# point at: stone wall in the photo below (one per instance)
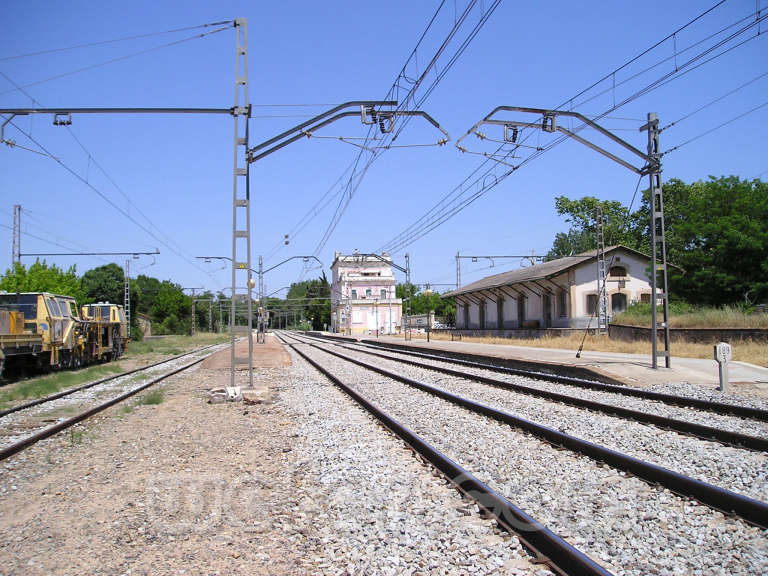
(701, 335)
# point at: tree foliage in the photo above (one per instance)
(716, 237)
(104, 284)
(423, 303)
(40, 277)
(311, 299)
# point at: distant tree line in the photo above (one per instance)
(716, 237)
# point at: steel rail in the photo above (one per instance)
(704, 405)
(69, 391)
(749, 509)
(63, 425)
(735, 439)
(547, 545)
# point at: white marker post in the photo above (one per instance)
(723, 356)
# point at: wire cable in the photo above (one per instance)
(443, 211)
(718, 99)
(114, 40)
(117, 59)
(740, 116)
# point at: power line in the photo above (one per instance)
(718, 99)
(117, 59)
(95, 162)
(114, 40)
(409, 99)
(108, 200)
(750, 111)
(443, 210)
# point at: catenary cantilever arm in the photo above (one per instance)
(300, 127)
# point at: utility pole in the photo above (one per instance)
(458, 271)
(658, 241)
(16, 250)
(127, 298)
(261, 332)
(651, 167)
(602, 295)
(241, 197)
(194, 319)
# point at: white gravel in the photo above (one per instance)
(635, 527)
(742, 471)
(724, 422)
(383, 512)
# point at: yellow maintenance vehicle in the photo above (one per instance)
(44, 331)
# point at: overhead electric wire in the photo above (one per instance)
(710, 103)
(117, 59)
(697, 137)
(107, 199)
(350, 191)
(441, 213)
(114, 40)
(93, 160)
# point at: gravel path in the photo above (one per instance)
(306, 484)
(742, 471)
(724, 422)
(635, 527)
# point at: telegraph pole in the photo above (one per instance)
(602, 295)
(658, 241)
(16, 251)
(194, 320)
(127, 298)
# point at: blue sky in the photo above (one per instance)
(176, 170)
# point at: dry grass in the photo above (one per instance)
(745, 351)
(683, 316)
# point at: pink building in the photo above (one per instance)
(363, 295)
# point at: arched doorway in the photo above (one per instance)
(618, 303)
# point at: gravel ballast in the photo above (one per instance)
(742, 471)
(632, 526)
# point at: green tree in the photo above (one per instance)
(316, 305)
(40, 277)
(171, 309)
(104, 284)
(716, 237)
(581, 215)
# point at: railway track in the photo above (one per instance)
(547, 546)
(478, 373)
(749, 509)
(23, 425)
(503, 365)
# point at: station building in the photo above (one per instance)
(560, 293)
(363, 295)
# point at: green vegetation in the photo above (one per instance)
(152, 399)
(422, 303)
(716, 236)
(173, 345)
(683, 315)
(52, 383)
(40, 277)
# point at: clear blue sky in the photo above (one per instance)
(177, 169)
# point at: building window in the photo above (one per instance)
(383, 294)
(354, 294)
(592, 304)
(367, 292)
(645, 298)
(562, 304)
(617, 271)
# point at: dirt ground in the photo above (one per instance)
(157, 489)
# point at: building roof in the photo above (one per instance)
(537, 272)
